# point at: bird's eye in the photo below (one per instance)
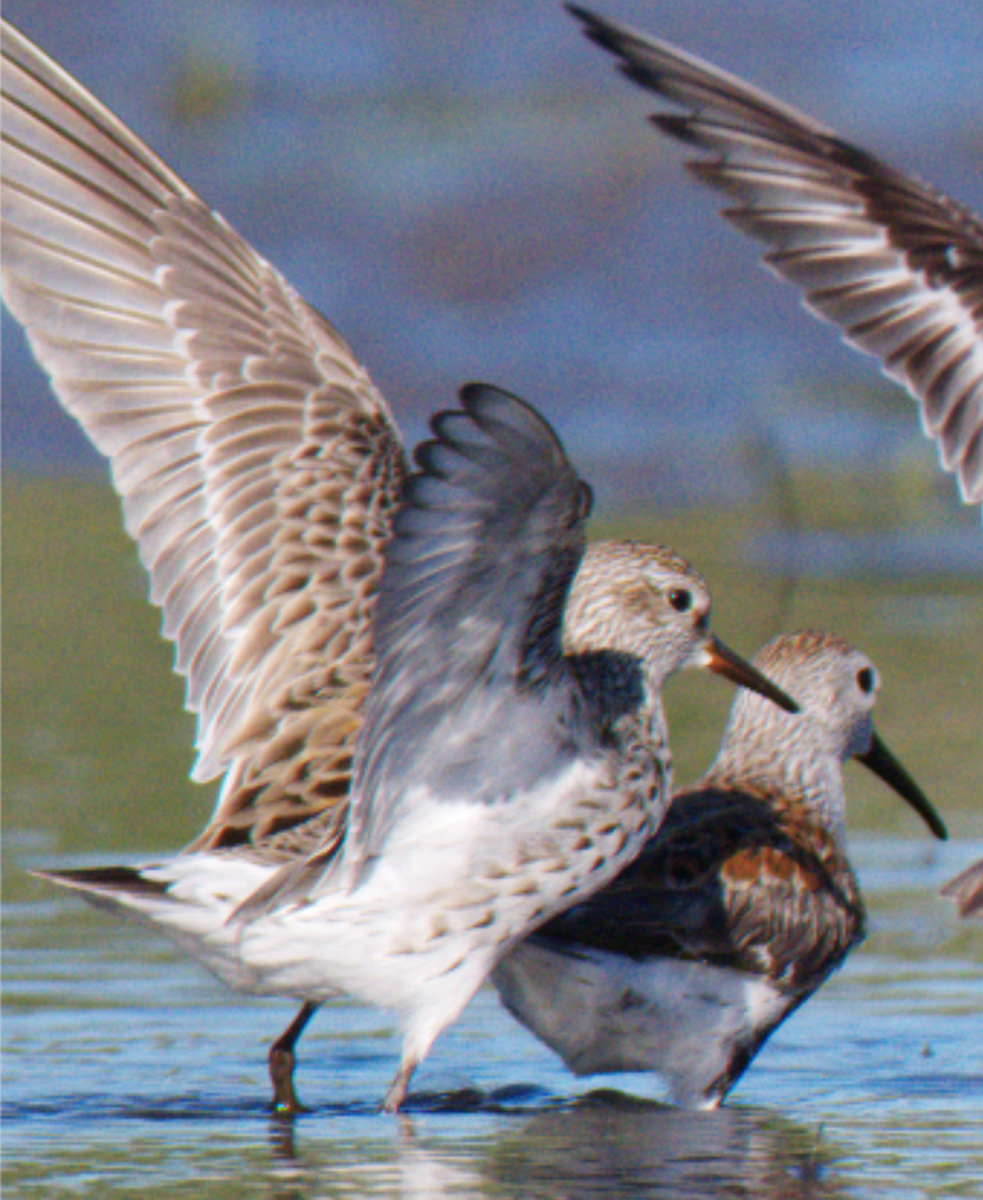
(681, 599)
(865, 680)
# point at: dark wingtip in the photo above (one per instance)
(595, 27)
(674, 125)
(493, 409)
(584, 15)
(620, 41)
(104, 879)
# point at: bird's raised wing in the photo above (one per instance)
(894, 263)
(469, 620)
(470, 698)
(257, 463)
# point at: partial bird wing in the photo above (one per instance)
(894, 263)
(967, 890)
(257, 463)
(731, 880)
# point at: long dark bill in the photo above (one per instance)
(885, 766)
(725, 662)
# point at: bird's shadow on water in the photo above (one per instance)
(604, 1143)
(514, 1141)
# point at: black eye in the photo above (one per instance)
(865, 680)
(681, 599)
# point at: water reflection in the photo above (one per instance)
(646, 1149)
(606, 1144)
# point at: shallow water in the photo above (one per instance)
(128, 1072)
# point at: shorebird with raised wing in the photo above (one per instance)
(737, 910)
(512, 755)
(897, 265)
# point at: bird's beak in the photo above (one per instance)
(725, 662)
(885, 766)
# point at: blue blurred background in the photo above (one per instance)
(467, 190)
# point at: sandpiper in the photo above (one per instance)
(893, 262)
(513, 755)
(738, 909)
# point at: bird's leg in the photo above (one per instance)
(397, 1089)
(282, 1062)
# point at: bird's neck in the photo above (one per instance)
(804, 777)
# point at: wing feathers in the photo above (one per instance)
(483, 552)
(244, 438)
(894, 263)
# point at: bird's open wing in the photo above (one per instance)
(257, 464)
(894, 263)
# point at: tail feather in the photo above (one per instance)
(106, 884)
(183, 900)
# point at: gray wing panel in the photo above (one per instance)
(468, 629)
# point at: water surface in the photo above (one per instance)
(129, 1072)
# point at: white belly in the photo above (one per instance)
(605, 1013)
